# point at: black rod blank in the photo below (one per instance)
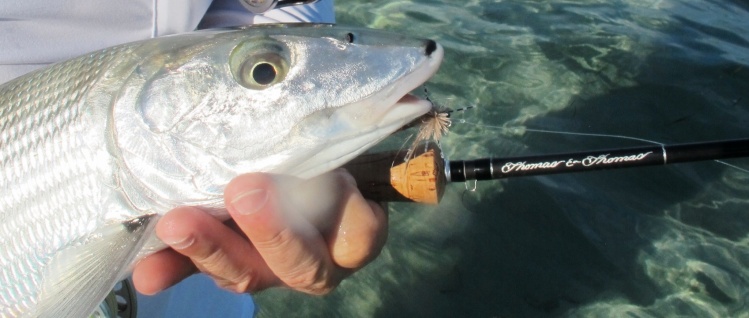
(499, 168)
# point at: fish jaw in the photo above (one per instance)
(370, 120)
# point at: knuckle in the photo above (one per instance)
(208, 254)
(276, 242)
(315, 280)
(227, 274)
(303, 280)
(244, 281)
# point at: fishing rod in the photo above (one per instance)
(423, 177)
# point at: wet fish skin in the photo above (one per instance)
(94, 149)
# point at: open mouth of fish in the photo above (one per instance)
(372, 119)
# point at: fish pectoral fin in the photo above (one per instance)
(80, 276)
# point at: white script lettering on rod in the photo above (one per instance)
(588, 161)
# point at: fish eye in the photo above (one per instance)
(264, 73)
(258, 71)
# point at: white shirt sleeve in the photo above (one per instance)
(34, 33)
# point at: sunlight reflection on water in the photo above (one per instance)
(655, 241)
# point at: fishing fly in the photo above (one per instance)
(433, 125)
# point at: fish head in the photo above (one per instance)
(296, 100)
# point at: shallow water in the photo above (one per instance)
(658, 241)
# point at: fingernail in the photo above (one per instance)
(179, 243)
(249, 202)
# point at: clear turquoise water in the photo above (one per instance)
(660, 241)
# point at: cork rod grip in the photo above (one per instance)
(388, 177)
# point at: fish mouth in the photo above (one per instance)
(372, 119)
(394, 105)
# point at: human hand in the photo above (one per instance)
(267, 243)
